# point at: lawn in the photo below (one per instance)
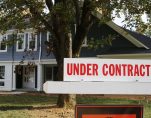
(28, 100)
(40, 105)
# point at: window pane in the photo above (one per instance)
(21, 41)
(20, 45)
(2, 72)
(32, 44)
(2, 43)
(2, 76)
(32, 40)
(55, 70)
(48, 73)
(4, 37)
(85, 42)
(2, 46)
(48, 36)
(1, 83)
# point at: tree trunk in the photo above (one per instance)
(65, 100)
(63, 44)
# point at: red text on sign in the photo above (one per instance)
(82, 69)
(126, 70)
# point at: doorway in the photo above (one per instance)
(19, 77)
(25, 77)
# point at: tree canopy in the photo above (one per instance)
(52, 14)
(57, 16)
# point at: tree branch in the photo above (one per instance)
(77, 8)
(83, 28)
(36, 15)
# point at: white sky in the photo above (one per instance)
(119, 22)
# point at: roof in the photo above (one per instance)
(121, 31)
(142, 38)
(121, 45)
(130, 42)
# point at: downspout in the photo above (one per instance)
(40, 49)
(13, 49)
(38, 75)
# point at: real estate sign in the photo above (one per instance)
(103, 76)
(109, 111)
(86, 69)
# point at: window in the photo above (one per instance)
(49, 43)
(48, 36)
(32, 41)
(85, 42)
(50, 73)
(2, 75)
(3, 47)
(2, 72)
(1, 83)
(21, 42)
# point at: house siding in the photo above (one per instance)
(97, 32)
(13, 54)
(11, 58)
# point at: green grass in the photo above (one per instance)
(92, 100)
(18, 106)
(14, 114)
(27, 100)
(23, 103)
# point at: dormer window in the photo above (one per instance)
(3, 46)
(85, 44)
(32, 41)
(21, 42)
(48, 36)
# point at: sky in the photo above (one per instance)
(119, 22)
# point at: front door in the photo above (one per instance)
(28, 78)
(19, 77)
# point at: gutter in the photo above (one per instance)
(40, 49)
(126, 56)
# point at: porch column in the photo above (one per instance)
(39, 77)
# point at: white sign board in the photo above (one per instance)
(86, 69)
(128, 88)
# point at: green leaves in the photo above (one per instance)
(12, 39)
(16, 14)
(133, 11)
(58, 16)
(106, 41)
